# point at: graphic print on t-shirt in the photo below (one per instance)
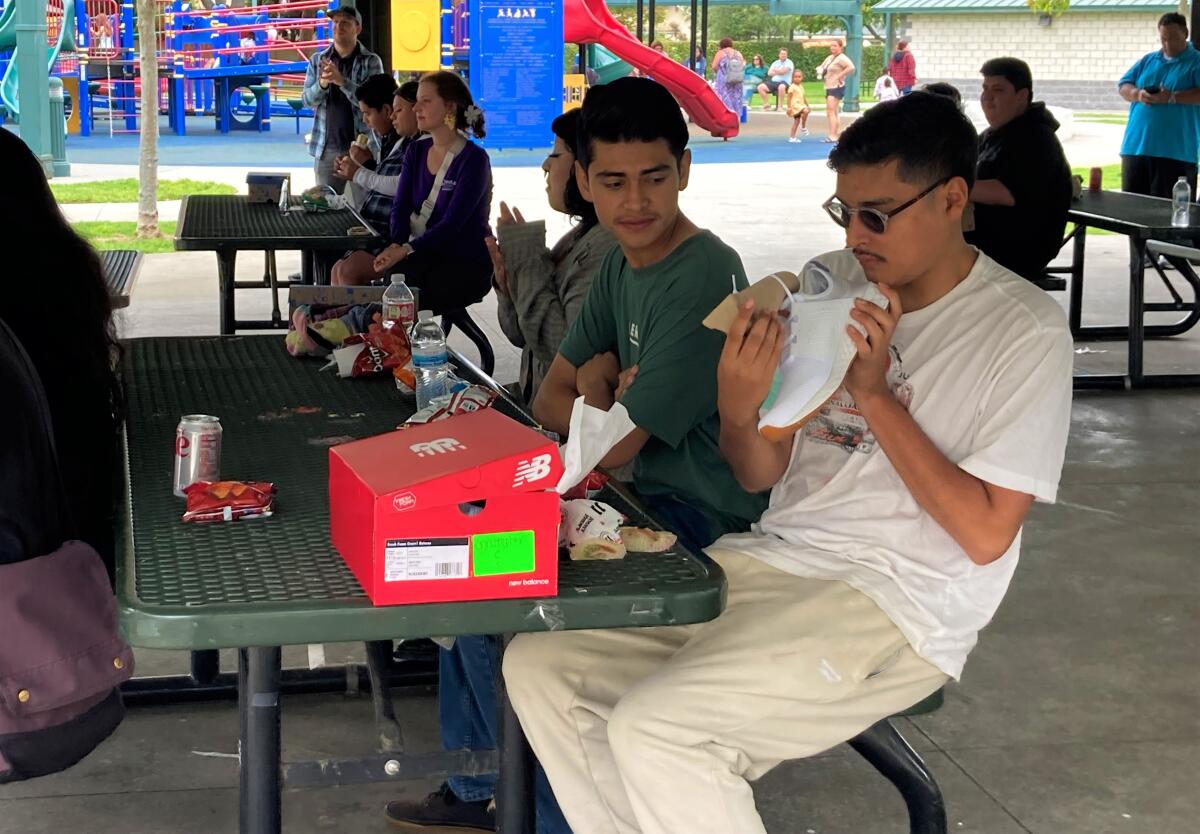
(840, 423)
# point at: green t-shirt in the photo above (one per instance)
(652, 317)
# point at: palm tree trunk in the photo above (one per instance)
(147, 223)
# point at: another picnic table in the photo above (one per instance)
(1141, 219)
(259, 584)
(228, 224)
(121, 269)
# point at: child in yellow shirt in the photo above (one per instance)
(797, 106)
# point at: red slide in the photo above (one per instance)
(589, 21)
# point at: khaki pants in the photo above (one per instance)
(657, 730)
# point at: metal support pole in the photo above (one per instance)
(889, 47)
(650, 22)
(259, 771)
(640, 19)
(33, 93)
(704, 29)
(691, 62)
(854, 50)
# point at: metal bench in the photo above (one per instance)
(121, 268)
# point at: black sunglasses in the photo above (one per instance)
(875, 220)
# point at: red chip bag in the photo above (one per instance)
(228, 500)
(589, 487)
(381, 350)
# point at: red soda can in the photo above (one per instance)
(197, 451)
(1096, 182)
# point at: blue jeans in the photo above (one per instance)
(467, 709)
(467, 699)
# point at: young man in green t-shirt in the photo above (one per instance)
(639, 338)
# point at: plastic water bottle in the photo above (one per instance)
(1181, 198)
(429, 358)
(399, 306)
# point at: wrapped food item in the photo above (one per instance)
(583, 519)
(589, 487)
(645, 540)
(464, 401)
(321, 198)
(590, 550)
(228, 500)
(374, 352)
(406, 379)
(362, 140)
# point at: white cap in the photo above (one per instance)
(398, 278)
(425, 315)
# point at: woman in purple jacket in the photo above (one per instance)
(440, 215)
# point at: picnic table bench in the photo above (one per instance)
(121, 268)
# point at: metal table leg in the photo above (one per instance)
(1075, 309)
(259, 773)
(1137, 320)
(515, 789)
(226, 263)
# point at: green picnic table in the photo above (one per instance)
(259, 584)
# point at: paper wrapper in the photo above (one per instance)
(592, 435)
(767, 295)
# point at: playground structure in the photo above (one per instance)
(244, 65)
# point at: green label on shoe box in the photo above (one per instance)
(494, 554)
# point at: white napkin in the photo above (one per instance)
(592, 434)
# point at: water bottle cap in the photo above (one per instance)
(425, 315)
(398, 278)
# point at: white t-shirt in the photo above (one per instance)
(986, 373)
(886, 89)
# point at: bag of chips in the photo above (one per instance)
(229, 500)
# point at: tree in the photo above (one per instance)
(147, 223)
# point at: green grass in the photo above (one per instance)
(1111, 179)
(104, 234)
(1104, 118)
(814, 91)
(126, 191)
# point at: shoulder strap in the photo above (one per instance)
(427, 207)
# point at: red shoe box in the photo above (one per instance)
(401, 512)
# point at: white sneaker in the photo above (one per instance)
(804, 130)
(819, 351)
(793, 140)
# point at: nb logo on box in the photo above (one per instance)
(531, 471)
(437, 447)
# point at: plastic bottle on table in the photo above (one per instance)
(429, 358)
(399, 306)
(1181, 198)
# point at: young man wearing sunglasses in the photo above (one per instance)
(864, 586)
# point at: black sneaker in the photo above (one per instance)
(442, 813)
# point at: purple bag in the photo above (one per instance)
(61, 661)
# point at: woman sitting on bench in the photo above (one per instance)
(440, 215)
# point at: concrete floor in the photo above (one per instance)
(1077, 713)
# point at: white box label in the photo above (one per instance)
(420, 559)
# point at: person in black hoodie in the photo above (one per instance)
(1023, 188)
(73, 348)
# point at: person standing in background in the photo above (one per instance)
(333, 76)
(1162, 138)
(903, 68)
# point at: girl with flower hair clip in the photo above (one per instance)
(440, 215)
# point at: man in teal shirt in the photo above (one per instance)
(1162, 138)
(639, 338)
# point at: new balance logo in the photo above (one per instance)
(437, 447)
(532, 471)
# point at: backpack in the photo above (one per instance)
(735, 69)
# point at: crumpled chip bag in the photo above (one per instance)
(228, 500)
(589, 487)
(375, 352)
(463, 401)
